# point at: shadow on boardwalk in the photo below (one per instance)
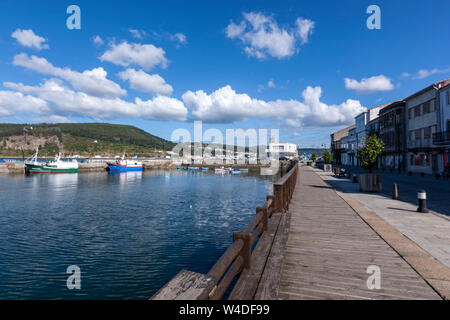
(330, 248)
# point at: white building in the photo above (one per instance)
(286, 148)
(361, 128)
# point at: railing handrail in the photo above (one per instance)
(238, 255)
(227, 265)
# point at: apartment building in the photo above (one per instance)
(392, 124)
(422, 112)
(441, 139)
(338, 141)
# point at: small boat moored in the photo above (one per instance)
(123, 165)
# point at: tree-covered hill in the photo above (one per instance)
(84, 139)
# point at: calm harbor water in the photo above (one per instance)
(129, 233)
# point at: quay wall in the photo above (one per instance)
(18, 168)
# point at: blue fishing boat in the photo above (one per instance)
(205, 169)
(123, 165)
(193, 168)
(180, 168)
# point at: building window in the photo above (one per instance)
(411, 159)
(426, 132)
(417, 135)
(426, 107)
(417, 111)
(427, 159)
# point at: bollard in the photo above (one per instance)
(354, 178)
(422, 198)
(395, 192)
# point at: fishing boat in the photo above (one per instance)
(193, 168)
(180, 168)
(122, 164)
(53, 166)
(205, 169)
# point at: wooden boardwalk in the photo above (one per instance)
(329, 249)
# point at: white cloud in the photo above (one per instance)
(225, 105)
(68, 102)
(304, 28)
(293, 123)
(125, 54)
(179, 37)
(13, 102)
(93, 81)
(424, 73)
(97, 40)
(262, 36)
(369, 85)
(51, 119)
(271, 84)
(138, 34)
(145, 82)
(28, 38)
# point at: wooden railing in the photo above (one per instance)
(238, 256)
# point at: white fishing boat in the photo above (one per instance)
(32, 165)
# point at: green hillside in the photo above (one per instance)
(84, 139)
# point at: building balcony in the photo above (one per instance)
(441, 138)
(423, 143)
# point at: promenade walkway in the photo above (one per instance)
(330, 248)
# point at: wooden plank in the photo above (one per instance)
(330, 247)
(247, 283)
(270, 280)
(186, 285)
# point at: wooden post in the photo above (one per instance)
(278, 198)
(265, 216)
(246, 251)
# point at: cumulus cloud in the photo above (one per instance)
(424, 73)
(145, 82)
(13, 102)
(93, 81)
(369, 85)
(66, 102)
(262, 35)
(225, 105)
(28, 38)
(125, 54)
(271, 84)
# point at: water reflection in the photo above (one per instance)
(129, 232)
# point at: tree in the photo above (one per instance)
(327, 156)
(369, 154)
(313, 157)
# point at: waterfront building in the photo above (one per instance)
(392, 129)
(338, 143)
(350, 156)
(441, 139)
(286, 148)
(422, 122)
(362, 128)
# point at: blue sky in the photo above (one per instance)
(233, 64)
